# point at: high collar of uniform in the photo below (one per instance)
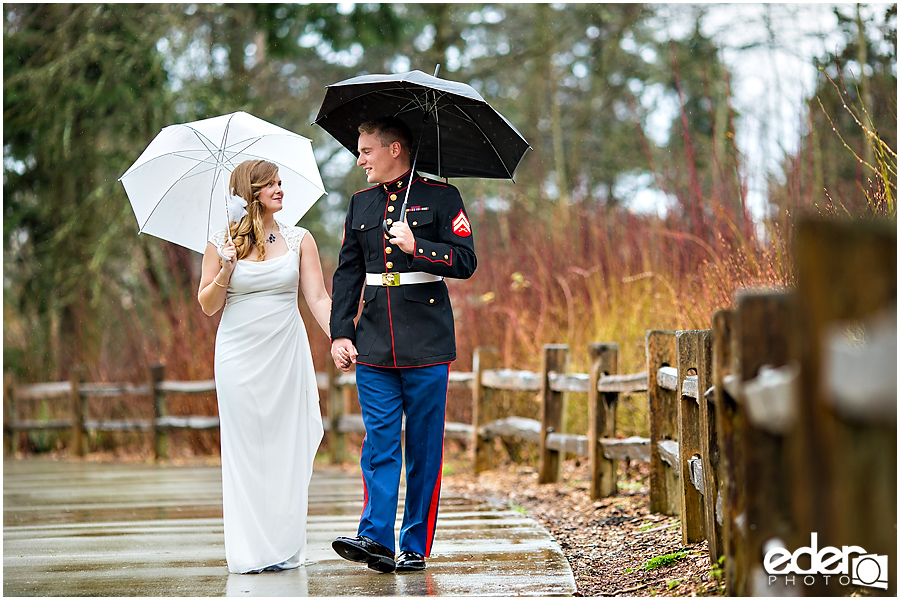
(399, 183)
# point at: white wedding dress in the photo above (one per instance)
(270, 424)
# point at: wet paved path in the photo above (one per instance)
(75, 529)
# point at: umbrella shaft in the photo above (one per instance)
(412, 174)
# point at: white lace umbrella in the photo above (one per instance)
(178, 186)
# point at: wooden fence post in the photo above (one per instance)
(79, 407)
(10, 413)
(765, 322)
(602, 419)
(555, 358)
(482, 409)
(846, 486)
(665, 495)
(155, 375)
(337, 439)
(709, 448)
(730, 427)
(692, 349)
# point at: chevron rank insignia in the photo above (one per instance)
(461, 225)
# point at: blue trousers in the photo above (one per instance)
(385, 394)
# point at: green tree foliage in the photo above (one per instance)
(700, 166)
(82, 90)
(847, 162)
(576, 66)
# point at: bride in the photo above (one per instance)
(270, 425)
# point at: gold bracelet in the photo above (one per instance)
(224, 287)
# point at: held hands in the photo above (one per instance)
(344, 353)
(402, 237)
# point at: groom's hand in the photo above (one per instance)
(402, 237)
(344, 353)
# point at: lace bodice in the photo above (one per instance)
(292, 234)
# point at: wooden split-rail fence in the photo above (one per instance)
(777, 422)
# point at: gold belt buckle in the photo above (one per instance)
(390, 279)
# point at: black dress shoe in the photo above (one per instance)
(410, 561)
(365, 550)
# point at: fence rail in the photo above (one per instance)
(498, 380)
(728, 450)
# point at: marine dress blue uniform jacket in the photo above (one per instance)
(409, 325)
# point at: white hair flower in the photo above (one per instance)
(237, 208)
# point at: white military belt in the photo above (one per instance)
(394, 279)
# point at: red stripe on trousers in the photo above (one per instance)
(436, 493)
(365, 489)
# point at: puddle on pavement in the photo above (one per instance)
(18, 518)
(133, 566)
(166, 550)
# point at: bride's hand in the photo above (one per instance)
(229, 253)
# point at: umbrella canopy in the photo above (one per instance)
(458, 133)
(178, 186)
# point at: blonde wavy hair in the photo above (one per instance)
(247, 179)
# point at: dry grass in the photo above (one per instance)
(613, 279)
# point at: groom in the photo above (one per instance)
(404, 342)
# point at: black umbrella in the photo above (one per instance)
(458, 133)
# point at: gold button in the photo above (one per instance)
(434, 253)
(389, 221)
(388, 250)
(390, 265)
(426, 179)
(415, 223)
(391, 208)
(421, 251)
(362, 226)
(393, 197)
(446, 257)
(431, 301)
